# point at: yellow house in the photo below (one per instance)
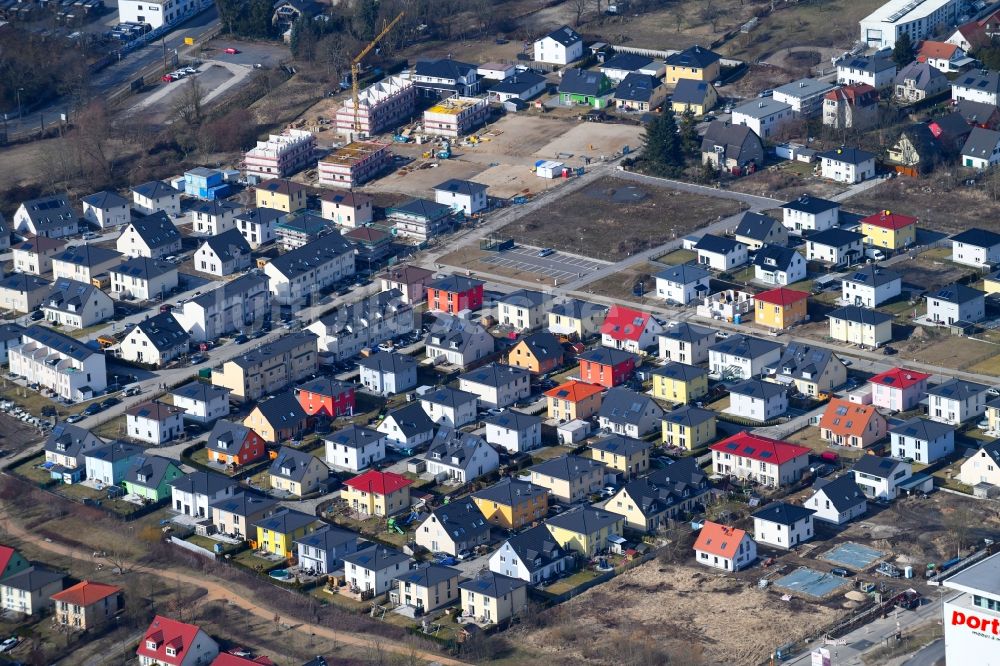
(689, 427)
(698, 97)
(625, 454)
(576, 318)
(491, 598)
(693, 63)
(888, 230)
(780, 308)
(297, 472)
(860, 326)
(377, 493)
(991, 283)
(538, 353)
(512, 504)
(586, 530)
(428, 588)
(648, 503)
(679, 382)
(569, 478)
(993, 415)
(277, 533)
(281, 194)
(573, 400)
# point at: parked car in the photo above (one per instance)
(241, 339)
(168, 78)
(889, 351)
(75, 418)
(198, 358)
(37, 315)
(546, 251)
(90, 235)
(92, 409)
(110, 402)
(132, 390)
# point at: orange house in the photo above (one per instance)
(780, 308)
(538, 353)
(574, 400)
(851, 424)
(234, 444)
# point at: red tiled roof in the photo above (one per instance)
(900, 378)
(85, 593)
(781, 296)
(624, 323)
(164, 631)
(843, 417)
(721, 540)
(574, 391)
(760, 448)
(932, 49)
(6, 552)
(226, 659)
(889, 220)
(379, 483)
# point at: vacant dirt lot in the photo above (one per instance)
(789, 181)
(620, 284)
(929, 270)
(697, 615)
(940, 207)
(613, 219)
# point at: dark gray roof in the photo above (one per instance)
(843, 492)
(62, 343)
(608, 356)
(11, 332)
(462, 519)
(992, 449)
(687, 332)
(24, 283)
(847, 155)
(312, 255)
(282, 411)
(775, 257)
(758, 388)
(871, 64)
(584, 82)
(328, 538)
(689, 415)
(148, 471)
(565, 35)
(154, 410)
(216, 207)
(544, 345)
(680, 371)
(155, 189)
(454, 447)
(690, 91)
(878, 466)
(872, 275)
(449, 397)
(203, 483)
(293, 464)
(804, 88)
(975, 112)
(537, 548)
(625, 406)
(355, 436)
(163, 331)
(388, 362)
(683, 274)
(620, 445)
(376, 558)
(325, 386)
(33, 579)
(807, 203)
(251, 282)
(524, 297)
(443, 68)
(509, 492)
(835, 237)
(637, 87)
(430, 575)
(627, 61)
(227, 436)
(424, 208)
(860, 315)
(922, 429)
(349, 318)
(155, 230)
(717, 244)
(956, 293)
(286, 521)
(201, 391)
(495, 375)
(803, 361)
(585, 520)
(70, 296)
(86, 255)
(518, 83)
(229, 245)
(261, 215)
(745, 346)
(460, 186)
(576, 309)
(244, 503)
(732, 138)
(957, 389)
(411, 419)
(922, 75)
(783, 513)
(981, 81)
(144, 268)
(105, 200)
(455, 283)
(693, 56)
(514, 420)
(567, 467)
(282, 345)
(114, 451)
(492, 585)
(67, 439)
(976, 236)
(755, 225)
(50, 211)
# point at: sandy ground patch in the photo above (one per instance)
(592, 140)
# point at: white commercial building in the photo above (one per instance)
(919, 19)
(158, 13)
(972, 617)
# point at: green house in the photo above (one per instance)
(149, 477)
(585, 88)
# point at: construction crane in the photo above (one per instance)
(356, 67)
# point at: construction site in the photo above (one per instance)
(281, 155)
(456, 116)
(354, 164)
(380, 107)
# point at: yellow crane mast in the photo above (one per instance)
(356, 67)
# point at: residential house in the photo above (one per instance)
(641, 92)
(326, 397)
(50, 217)
(783, 525)
(805, 96)
(694, 62)
(956, 401)
(388, 373)
(560, 47)
(919, 81)
(270, 368)
(626, 412)
(977, 114)
(685, 343)
(106, 210)
(201, 401)
(585, 530)
(847, 165)
(83, 263)
(776, 264)
(87, 605)
(323, 549)
(297, 472)
(35, 254)
(375, 493)
(155, 341)
(301, 228)
(459, 456)
(11, 561)
(860, 326)
(373, 568)
(10, 337)
(278, 418)
(852, 106)
(523, 310)
(437, 79)
(453, 528)
(580, 87)
(420, 219)
(724, 547)
(756, 230)
(154, 236)
(720, 253)
(234, 444)
(512, 504)
(682, 284)
(238, 305)
(463, 196)
(280, 194)
(349, 328)
(628, 329)
(410, 281)
(192, 494)
(742, 356)
(666, 493)
(835, 246)
(627, 455)
(211, 218)
(454, 293)
(143, 279)
(956, 303)
(976, 86)
(991, 283)
(679, 383)
(898, 389)
(492, 598)
(168, 642)
(76, 305)
(108, 464)
(619, 66)
(757, 400)
(294, 277)
(983, 466)
(767, 461)
(809, 213)
(30, 591)
(976, 247)
(428, 587)
(58, 362)
(347, 208)
(578, 318)
(916, 151)
(538, 353)
(157, 197)
(149, 478)
(943, 56)
(698, 97)
(607, 366)
(534, 556)
(449, 406)
(355, 448)
(407, 427)
(766, 116)
(154, 422)
(238, 514)
(573, 400)
(870, 286)
(880, 478)
(848, 423)
(65, 448)
(514, 431)
(780, 308)
(732, 148)
(922, 440)
(258, 225)
(522, 86)
(877, 70)
(569, 478)
(982, 149)
(497, 385)
(837, 501)
(223, 254)
(277, 534)
(688, 427)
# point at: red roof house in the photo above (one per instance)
(898, 389)
(175, 643)
(628, 329)
(228, 659)
(889, 220)
(379, 483)
(326, 397)
(770, 462)
(87, 604)
(11, 561)
(724, 547)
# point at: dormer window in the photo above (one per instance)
(152, 645)
(171, 651)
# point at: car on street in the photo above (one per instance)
(9, 644)
(241, 339)
(709, 118)
(74, 418)
(231, 51)
(198, 358)
(889, 351)
(133, 390)
(90, 235)
(546, 251)
(168, 78)
(110, 402)
(92, 409)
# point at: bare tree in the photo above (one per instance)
(189, 105)
(579, 7)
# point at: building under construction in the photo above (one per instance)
(354, 164)
(281, 155)
(381, 106)
(456, 116)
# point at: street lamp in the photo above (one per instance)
(19, 103)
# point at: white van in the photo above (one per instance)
(875, 253)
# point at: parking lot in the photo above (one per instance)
(558, 265)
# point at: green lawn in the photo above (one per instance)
(30, 470)
(112, 429)
(571, 582)
(678, 257)
(209, 544)
(251, 561)
(548, 453)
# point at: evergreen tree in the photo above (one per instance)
(903, 53)
(690, 141)
(663, 152)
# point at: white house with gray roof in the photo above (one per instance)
(154, 422)
(211, 218)
(58, 362)
(976, 247)
(67, 444)
(449, 406)
(106, 210)
(388, 373)
(682, 284)
(720, 253)
(463, 196)
(192, 493)
(685, 343)
(809, 213)
(202, 402)
(323, 549)
(742, 356)
(453, 528)
(351, 327)
(407, 427)
(223, 254)
(758, 400)
(84, 262)
(533, 556)
(143, 279)
(764, 115)
(238, 305)
(497, 385)
(804, 96)
(156, 196)
(870, 285)
(155, 341)
(955, 303)
(625, 412)
(847, 165)
(956, 401)
(460, 456)
(837, 501)
(50, 217)
(811, 369)
(514, 431)
(76, 304)
(878, 71)
(756, 230)
(374, 567)
(560, 47)
(835, 246)
(458, 341)
(982, 149)
(524, 309)
(922, 440)
(355, 448)
(153, 236)
(299, 273)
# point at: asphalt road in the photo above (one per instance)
(931, 655)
